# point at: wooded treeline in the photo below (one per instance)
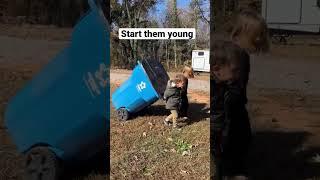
(63, 13)
(144, 14)
(222, 10)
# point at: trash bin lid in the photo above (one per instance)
(157, 74)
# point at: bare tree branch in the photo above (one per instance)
(202, 12)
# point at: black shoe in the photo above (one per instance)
(167, 123)
(176, 126)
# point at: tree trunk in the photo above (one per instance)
(217, 14)
(167, 56)
(175, 54)
(175, 16)
(196, 19)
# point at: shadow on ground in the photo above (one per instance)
(98, 166)
(197, 112)
(279, 156)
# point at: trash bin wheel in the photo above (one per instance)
(41, 164)
(123, 114)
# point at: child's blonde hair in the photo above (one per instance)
(250, 24)
(179, 78)
(189, 71)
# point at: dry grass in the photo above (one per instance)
(143, 148)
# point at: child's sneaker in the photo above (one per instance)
(167, 122)
(176, 126)
(184, 118)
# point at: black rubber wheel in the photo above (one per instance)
(123, 114)
(10, 166)
(41, 164)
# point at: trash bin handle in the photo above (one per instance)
(92, 4)
(152, 70)
(96, 5)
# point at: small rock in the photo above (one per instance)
(150, 123)
(144, 134)
(173, 150)
(165, 150)
(170, 139)
(136, 158)
(185, 153)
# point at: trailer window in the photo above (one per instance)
(200, 53)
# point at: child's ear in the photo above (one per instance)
(235, 35)
(215, 68)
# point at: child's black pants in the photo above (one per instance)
(238, 137)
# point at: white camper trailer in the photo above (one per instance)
(200, 60)
(292, 15)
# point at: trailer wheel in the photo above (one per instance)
(123, 114)
(41, 164)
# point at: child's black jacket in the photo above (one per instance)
(172, 95)
(228, 105)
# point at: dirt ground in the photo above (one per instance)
(284, 106)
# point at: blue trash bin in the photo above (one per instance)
(145, 86)
(62, 111)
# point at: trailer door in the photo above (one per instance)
(198, 60)
(284, 11)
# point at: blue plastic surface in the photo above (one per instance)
(136, 92)
(66, 106)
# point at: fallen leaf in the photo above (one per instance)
(184, 172)
(136, 158)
